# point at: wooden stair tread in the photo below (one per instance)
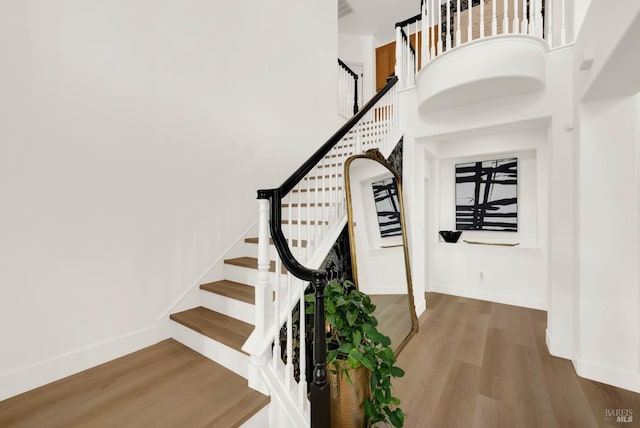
(231, 289)
(222, 328)
(161, 386)
(252, 263)
(294, 242)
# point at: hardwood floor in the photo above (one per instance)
(473, 364)
(165, 385)
(485, 365)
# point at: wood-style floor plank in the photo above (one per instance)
(165, 385)
(222, 328)
(234, 290)
(486, 365)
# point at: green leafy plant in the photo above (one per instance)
(353, 338)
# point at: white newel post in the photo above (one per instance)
(494, 18)
(538, 18)
(563, 23)
(548, 21)
(439, 35)
(424, 35)
(448, 24)
(432, 31)
(505, 17)
(481, 17)
(523, 25)
(458, 32)
(263, 308)
(469, 20)
(399, 62)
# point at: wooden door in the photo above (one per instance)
(386, 59)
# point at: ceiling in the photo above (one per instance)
(377, 17)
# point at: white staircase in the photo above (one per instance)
(235, 320)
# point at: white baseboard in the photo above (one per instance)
(421, 306)
(35, 375)
(491, 296)
(609, 375)
(558, 349)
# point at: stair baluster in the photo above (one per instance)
(318, 186)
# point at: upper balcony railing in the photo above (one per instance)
(443, 25)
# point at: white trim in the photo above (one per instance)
(196, 284)
(282, 402)
(609, 375)
(421, 307)
(491, 296)
(557, 349)
(41, 373)
(260, 419)
(218, 352)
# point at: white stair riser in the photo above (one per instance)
(315, 213)
(227, 357)
(231, 307)
(259, 420)
(244, 275)
(252, 251)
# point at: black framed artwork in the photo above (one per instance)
(385, 194)
(487, 195)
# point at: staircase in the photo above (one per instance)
(237, 318)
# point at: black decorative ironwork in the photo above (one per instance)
(395, 158)
(337, 264)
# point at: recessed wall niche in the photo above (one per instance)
(529, 148)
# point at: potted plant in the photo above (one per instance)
(356, 346)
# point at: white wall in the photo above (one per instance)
(360, 49)
(549, 109)
(514, 275)
(609, 36)
(133, 136)
(609, 348)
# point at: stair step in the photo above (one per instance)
(221, 328)
(232, 289)
(339, 155)
(305, 204)
(330, 165)
(344, 146)
(294, 243)
(312, 222)
(320, 177)
(315, 190)
(252, 263)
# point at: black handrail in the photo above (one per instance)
(409, 21)
(348, 69)
(306, 167)
(319, 389)
(353, 74)
(406, 39)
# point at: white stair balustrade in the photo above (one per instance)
(496, 18)
(347, 90)
(312, 215)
